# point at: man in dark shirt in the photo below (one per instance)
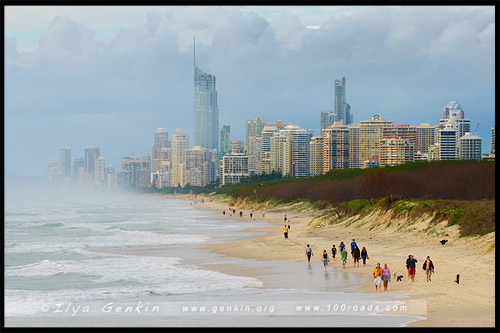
(411, 267)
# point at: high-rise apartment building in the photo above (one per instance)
(100, 177)
(206, 110)
(64, 163)
(234, 168)
(327, 119)
(160, 147)
(237, 146)
(254, 127)
(225, 141)
(281, 154)
(370, 134)
(405, 132)
(492, 144)
(300, 149)
(447, 138)
(91, 154)
(316, 156)
(341, 108)
(426, 136)
(180, 143)
(353, 130)
(78, 163)
(469, 147)
(394, 151)
(200, 166)
(453, 110)
(335, 147)
(255, 154)
(267, 132)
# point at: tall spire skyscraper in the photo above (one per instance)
(206, 110)
(341, 108)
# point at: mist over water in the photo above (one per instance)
(69, 248)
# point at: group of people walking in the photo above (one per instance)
(428, 267)
(356, 254)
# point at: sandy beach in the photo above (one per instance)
(447, 304)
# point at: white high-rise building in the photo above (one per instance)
(469, 147)
(281, 154)
(234, 168)
(447, 138)
(300, 149)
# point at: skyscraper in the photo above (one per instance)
(341, 108)
(180, 143)
(206, 110)
(160, 145)
(335, 147)
(300, 149)
(225, 141)
(316, 156)
(469, 147)
(370, 133)
(254, 127)
(327, 119)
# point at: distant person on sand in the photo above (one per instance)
(341, 247)
(285, 231)
(309, 253)
(353, 246)
(408, 265)
(411, 269)
(386, 276)
(263, 213)
(241, 213)
(377, 277)
(334, 252)
(428, 267)
(357, 255)
(325, 259)
(364, 255)
(344, 257)
(251, 214)
(285, 218)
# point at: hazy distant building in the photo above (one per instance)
(206, 110)
(327, 119)
(225, 141)
(254, 127)
(200, 166)
(78, 163)
(316, 156)
(370, 134)
(234, 168)
(237, 146)
(469, 147)
(64, 163)
(91, 154)
(335, 147)
(99, 172)
(341, 108)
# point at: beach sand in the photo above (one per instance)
(447, 304)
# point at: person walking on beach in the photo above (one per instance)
(325, 259)
(263, 213)
(428, 267)
(241, 213)
(377, 277)
(341, 247)
(285, 232)
(411, 269)
(309, 253)
(224, 212)
(251, 214)
(344, 257)
(357, 256)
(334, 252)
(353, 246)
(386, 276)
(364, 255)
(408, 265)
(285, 218)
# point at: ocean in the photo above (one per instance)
(129, 260)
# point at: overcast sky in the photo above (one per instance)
(111, 75)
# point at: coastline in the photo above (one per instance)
(447, 304)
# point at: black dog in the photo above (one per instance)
(458, 279)
(444, 241)
(400, 278)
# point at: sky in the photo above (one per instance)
(109, 76)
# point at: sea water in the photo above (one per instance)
(108, 259)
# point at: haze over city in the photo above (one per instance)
(110, 76)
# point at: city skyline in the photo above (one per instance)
(270, 65)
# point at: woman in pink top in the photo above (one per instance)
(386, 276)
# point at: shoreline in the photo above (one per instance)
(447, 304)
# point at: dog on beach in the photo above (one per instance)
(400, 278)
(443, 241)
(458, 279)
